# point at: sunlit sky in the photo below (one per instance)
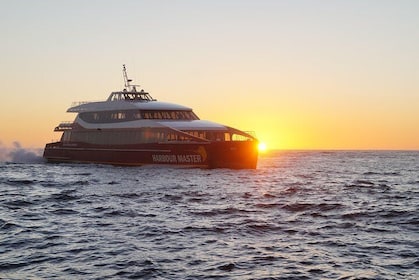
(302, 74)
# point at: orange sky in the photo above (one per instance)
(301, 74)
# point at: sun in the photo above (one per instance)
(262, 147)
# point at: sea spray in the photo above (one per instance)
(19, 154)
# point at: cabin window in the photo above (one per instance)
(198, 133)
(130, 115)
(169, 115)
(137, 115)
(122, 136)
(118, 116)
(158, 115)
(239, 137)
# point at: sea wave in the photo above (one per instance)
(303, 215)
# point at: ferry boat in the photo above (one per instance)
(132, 128)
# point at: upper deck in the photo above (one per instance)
(114, 104)
(130, 93)
(127, 99)
(133, 95)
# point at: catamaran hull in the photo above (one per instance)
(228, 154)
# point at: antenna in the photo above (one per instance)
(127, 81)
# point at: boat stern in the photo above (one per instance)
(233, 154)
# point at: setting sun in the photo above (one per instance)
(262, 147)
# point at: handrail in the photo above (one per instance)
(63, 126)
(78, 103)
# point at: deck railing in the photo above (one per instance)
(66, 125)
(78, 103)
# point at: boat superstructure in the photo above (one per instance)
(133, 128)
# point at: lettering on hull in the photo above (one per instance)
(177, 158)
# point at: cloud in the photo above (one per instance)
(19, 154)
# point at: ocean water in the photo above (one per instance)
(299, 215)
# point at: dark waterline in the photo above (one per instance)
(300, 215)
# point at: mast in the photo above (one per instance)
(127, 81)
(130, 92)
